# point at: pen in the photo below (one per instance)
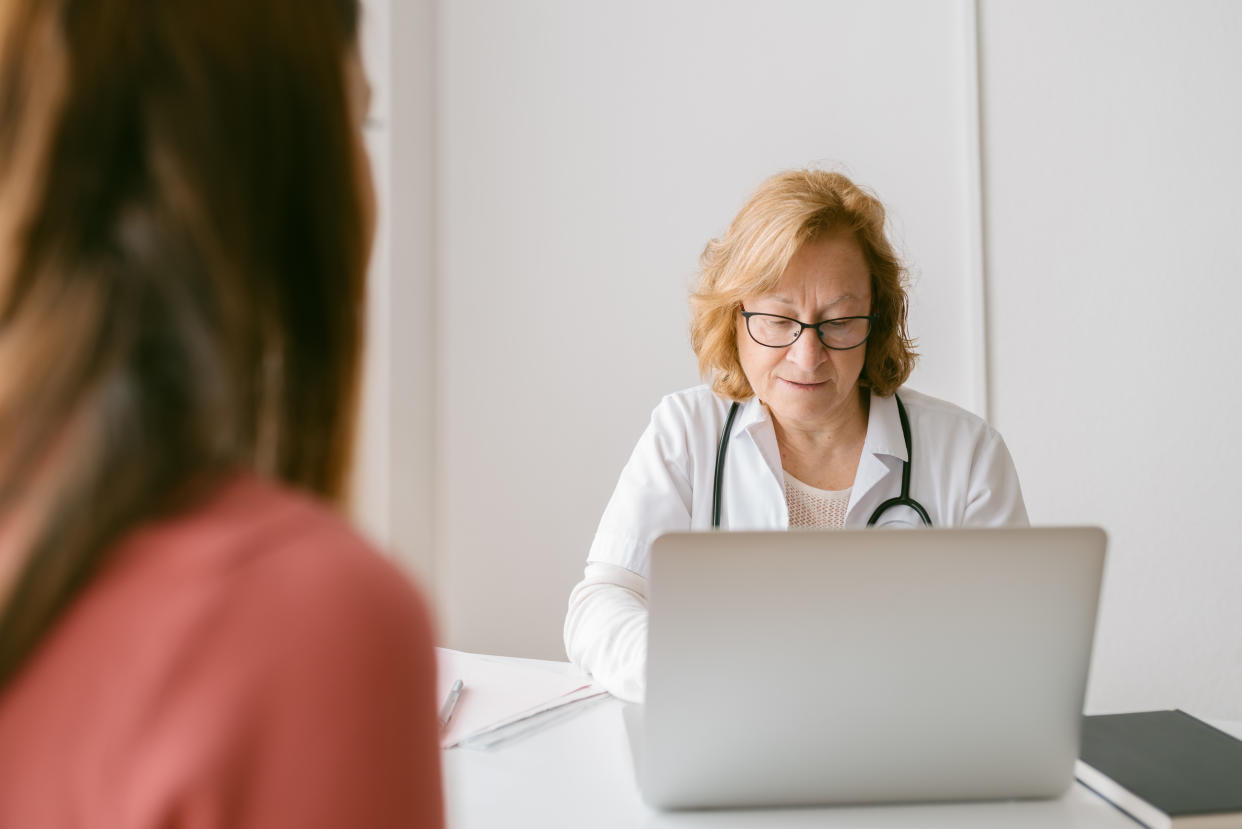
(450, 702)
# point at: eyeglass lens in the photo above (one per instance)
(778, 332)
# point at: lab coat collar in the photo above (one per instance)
(884, 436)
(754, 419)
(884, 440)
(750, 414)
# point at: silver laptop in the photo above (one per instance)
(808, 667)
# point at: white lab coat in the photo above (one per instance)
(962, 474)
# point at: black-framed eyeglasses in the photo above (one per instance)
(775, 331)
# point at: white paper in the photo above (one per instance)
(499, 692)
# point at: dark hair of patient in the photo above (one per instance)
(182, 257)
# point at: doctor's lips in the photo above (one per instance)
(807, 386)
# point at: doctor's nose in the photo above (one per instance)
(807, 352)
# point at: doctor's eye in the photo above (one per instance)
(774, 327)
(844, 333)
(777, 324)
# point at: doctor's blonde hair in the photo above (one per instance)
(789, 210)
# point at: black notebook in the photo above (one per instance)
(1164, 768)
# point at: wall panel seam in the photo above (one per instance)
(975, 224)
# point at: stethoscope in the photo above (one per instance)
(902, 500)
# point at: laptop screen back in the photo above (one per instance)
(801, 667)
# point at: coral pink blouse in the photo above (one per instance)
(252, 663)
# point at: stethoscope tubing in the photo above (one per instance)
(718, 482)
(902, 500)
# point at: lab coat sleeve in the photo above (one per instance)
(606, 624)
(606, 629)
(653, 495)
(994, 498)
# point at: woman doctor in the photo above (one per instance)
(799, 319)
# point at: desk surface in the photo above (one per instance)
(579, 773)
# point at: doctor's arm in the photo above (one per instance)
(606, 629)
(606, 622)
(994, 498)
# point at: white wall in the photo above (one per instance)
(372, 500)
(1115, 275)
(556, 167)
(394, 477)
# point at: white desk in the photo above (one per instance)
(579, 774)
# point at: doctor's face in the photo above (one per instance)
(807, 384)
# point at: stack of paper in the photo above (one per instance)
(502, 699)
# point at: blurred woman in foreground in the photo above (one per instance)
(189, 635)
